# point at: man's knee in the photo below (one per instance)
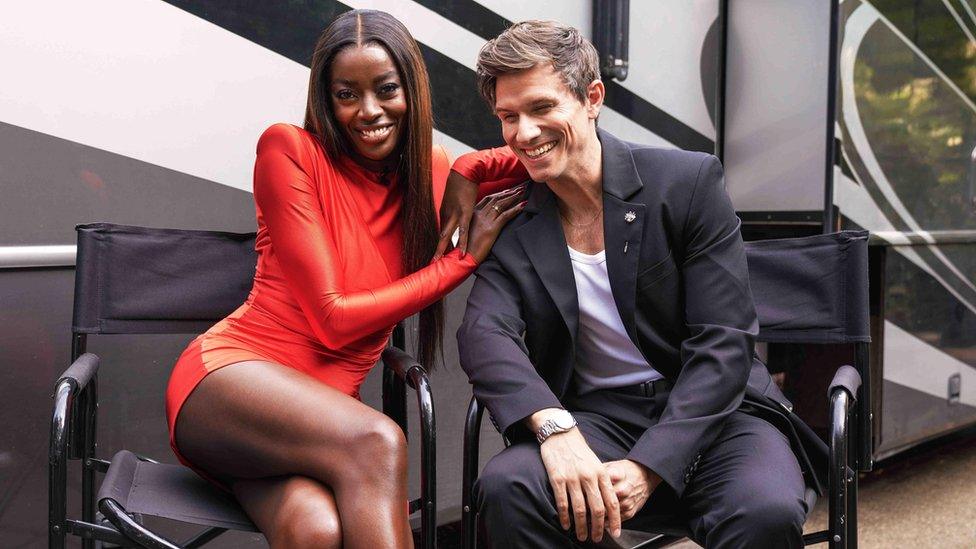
(512, 483)
(773, 521)
(767, 519)
(498, 483)
(757, 500)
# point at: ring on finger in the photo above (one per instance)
(496, 208)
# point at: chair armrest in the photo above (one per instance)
(81, 371)
(404, 366)
(845, 378)
(841, 474)
(71, 383)
(414, 375)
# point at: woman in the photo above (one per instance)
(266, 402)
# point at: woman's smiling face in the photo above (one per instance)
(368, 101)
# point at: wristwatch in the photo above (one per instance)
(560, 422)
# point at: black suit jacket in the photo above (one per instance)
(679, 278)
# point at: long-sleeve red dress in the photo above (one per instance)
(329, 286)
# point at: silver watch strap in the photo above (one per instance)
(550, 427)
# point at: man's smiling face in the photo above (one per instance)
(544, 123)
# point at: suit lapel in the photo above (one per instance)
(544, 243)
(623, 226)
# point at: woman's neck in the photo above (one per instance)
(384, 166)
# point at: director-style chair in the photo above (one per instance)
(137, 280)
(810, 290)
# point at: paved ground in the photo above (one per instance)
(925, 500)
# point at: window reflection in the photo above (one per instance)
(931, 26)
(920, 130)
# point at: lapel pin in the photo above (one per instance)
(630, 216)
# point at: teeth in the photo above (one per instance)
(379, 132)
(541, 150)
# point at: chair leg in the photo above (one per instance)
(472, 439)
(401, 370)
(428, 457)
(852, 508)
(89, 417)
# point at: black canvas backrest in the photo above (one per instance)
(812, 289)
(132, 280)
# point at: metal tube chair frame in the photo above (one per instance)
(849, 437)
(74, 418)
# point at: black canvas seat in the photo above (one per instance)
(810, 290)
(138, 280)
(169, 491)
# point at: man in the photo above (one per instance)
(610, 332)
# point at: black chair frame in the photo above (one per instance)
(73, 437)
(850, 451)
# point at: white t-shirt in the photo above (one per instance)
(605, 357)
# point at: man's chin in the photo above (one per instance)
(539, 175)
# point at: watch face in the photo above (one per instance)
(564, 420)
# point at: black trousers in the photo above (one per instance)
(746, 492)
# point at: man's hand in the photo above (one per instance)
(579, 481)
(633, 483)
(460, 194)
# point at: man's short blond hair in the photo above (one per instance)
(528, 43)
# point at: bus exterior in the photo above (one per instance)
(826, 115)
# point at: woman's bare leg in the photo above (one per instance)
(253, 420)
(292, 512)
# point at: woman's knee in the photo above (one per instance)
(380, 446)
(306, 516)
(300, 531)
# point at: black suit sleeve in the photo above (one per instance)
(493, 353)
(721, 325)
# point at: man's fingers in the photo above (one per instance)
(622, 489)
(627, 510)
(612, 505)
(615, 473)
(598, 510)
(578, 503)
(562, 502)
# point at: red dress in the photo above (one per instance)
(328, 287)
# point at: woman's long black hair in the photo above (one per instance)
(417, 216)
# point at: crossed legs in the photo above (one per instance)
(312, 466)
